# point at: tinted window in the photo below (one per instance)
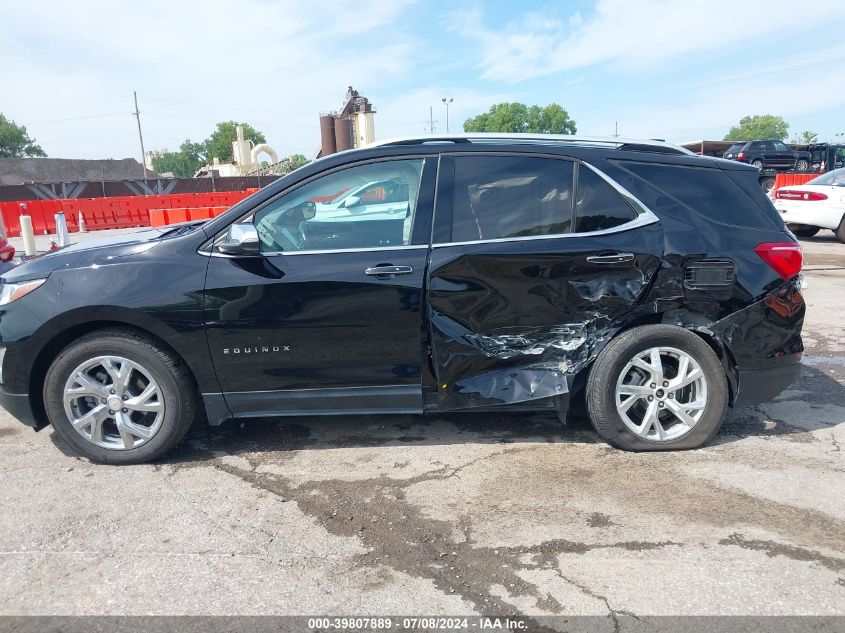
(598, 205)
(755, 147)
(781, 147)
(369, 206)
(510, 196)
(710, 192)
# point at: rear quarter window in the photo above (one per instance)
(709, 192)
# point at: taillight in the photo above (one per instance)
(740, 156)
(791, 194)
(784, 257)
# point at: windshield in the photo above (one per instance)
(835, 177)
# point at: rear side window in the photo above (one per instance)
(709, 192)
(511, 196)
(598, 206)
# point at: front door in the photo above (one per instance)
(534, 258)
(329, 315)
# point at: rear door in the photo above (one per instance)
(783, 154)
(534, 259)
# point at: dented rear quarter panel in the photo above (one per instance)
(518, 321)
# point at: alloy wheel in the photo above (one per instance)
(661, 394)
(113, 402)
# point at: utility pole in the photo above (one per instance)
(616, 129)
(137, 115)
(431, 120)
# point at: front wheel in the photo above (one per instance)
(657, 387)
(117, 397)
(802, 164)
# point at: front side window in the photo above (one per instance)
(366, 206)
(510, 196)
(781, 147)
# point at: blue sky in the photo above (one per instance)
(680, 70)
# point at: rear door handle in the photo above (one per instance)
(378, 271)
(612, 258)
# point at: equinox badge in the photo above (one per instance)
(264, 349)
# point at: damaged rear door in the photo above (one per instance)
(535, 260)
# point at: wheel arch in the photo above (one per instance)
(695, 323)
(75, 328)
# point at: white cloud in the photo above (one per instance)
(276, 65)
(713, 107)
(635, 35)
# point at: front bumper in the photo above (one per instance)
(754, 386)
(19, 406)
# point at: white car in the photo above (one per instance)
(815, 205)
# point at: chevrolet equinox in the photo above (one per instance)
(422, 275)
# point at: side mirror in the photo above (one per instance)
(241, 239)
(352, 201)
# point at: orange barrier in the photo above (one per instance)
(787, 180)
(120, 211)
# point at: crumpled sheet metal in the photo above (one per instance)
(547, 354)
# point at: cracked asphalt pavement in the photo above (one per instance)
(459, 514)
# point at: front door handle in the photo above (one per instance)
(612, 258)
(388, 270)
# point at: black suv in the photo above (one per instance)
(422, 275)
(775, 155)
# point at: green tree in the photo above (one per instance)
(806, 137)
(183, 163)
(219, 144)
(15, 142)
(518, 117)
(762, 127)
(297, 161)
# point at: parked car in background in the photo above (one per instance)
(775, 155)
(7, 256)
(815, 205)
(7, 251)
(473, 272)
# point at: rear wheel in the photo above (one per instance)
(657, 387)
(802, 230)
(768, 184)
(757, 163)
(116, 397)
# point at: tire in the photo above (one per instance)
(607, 371)
(160, 400)
(802, 164)
(802, 230)
(758, 163)
(840, 230)
(768, 184)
